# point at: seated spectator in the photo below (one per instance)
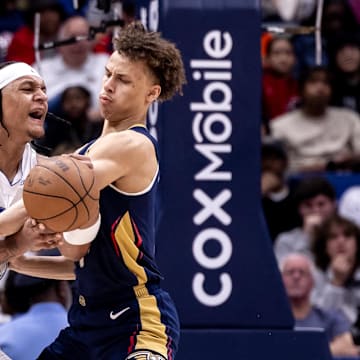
(278, 201)
(336, 249)
(75, 65)
(315, 201)
(11, 19)
(337, 17)
(26, 335)
(279, 87)
(318, 137)
(21, 47)
(298, 277)
(15, 300)
(104, 41)
(62, 138)
(345, 62)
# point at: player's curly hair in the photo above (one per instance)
(160, 55)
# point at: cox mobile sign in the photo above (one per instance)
(212, 243)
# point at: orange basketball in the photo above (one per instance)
(59, 192)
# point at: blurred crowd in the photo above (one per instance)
(310, 132)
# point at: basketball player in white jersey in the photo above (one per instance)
(23, 107)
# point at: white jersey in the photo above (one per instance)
(10, 192)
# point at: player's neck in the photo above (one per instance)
(121, 126)
(10, 159)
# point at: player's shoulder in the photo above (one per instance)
(126, 137)
(123, 143)
(40, 159)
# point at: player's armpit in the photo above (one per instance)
(12, 219)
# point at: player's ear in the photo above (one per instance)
(154, 93)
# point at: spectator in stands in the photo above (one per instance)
(21, 47)
(316, 201)
(11, 19)
(279, 87)
(336, 249)
(25, 336)
(298, 276)
(278, 201)
(74, 65)
(14, 300)
(104, 41)
(337, 16)
(345, 62)
(318, 137)
(62, 138)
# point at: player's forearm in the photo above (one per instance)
(12, 219)
(9, 249)
(49, 267)
(73, 252)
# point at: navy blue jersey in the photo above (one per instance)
(122, 255)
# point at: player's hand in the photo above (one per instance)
(32, 236)
(44, 238)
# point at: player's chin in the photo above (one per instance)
(105, 112)
(37, 132)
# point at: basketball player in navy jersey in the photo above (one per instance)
(120, 310)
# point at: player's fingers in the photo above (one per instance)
(52, 237)
(50, 245)
(43, 229)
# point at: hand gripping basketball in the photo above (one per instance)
(60, 193)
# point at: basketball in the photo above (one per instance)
(59, 192)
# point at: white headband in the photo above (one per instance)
(15, 71)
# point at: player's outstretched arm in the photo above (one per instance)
(74, 252)
(21, 234)
(48, 267)
(122, 158)
(12, 219)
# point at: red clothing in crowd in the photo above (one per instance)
(21, 46)
(280, 93)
